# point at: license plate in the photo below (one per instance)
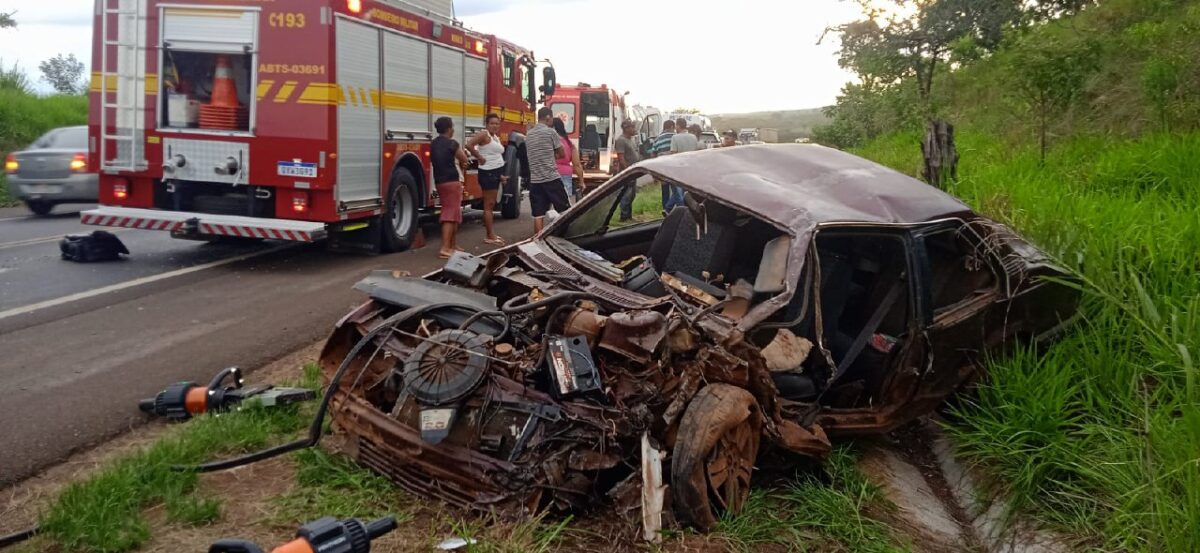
(433, 420)
(42, 188)
(295, 169)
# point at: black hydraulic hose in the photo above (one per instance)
(499, 315)
(513, 305)
(315, 430)
(13, 539)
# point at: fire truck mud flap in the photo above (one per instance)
(198, 225)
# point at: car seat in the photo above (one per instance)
(679, 248)
(590, 139)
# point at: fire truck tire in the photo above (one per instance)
(400, 220)
(510, 207)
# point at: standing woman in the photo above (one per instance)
(486, 147)
(447, 157)
(569, 164)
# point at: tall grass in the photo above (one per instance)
(1100, 433)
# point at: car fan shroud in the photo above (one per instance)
(446, 367)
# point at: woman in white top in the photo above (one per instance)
(486, 147)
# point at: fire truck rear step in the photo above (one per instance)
(205, 224)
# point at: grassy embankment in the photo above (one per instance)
(24, 117)
(1098, 435)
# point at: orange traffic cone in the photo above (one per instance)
(222, 110)
(224, 92)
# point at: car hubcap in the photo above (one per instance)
(728, 467)
(401, 214)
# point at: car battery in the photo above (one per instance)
(570, 366)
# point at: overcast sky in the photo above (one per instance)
(720, 56)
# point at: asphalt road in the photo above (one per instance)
(81, 343)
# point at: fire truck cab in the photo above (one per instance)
(592, 117)
(295, 120)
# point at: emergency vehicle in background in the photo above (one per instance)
(295, 120)
(592, 116)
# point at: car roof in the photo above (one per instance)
(800, 186)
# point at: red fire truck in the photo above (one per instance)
(592, 116)
(296, 120)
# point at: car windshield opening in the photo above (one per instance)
(704, 251)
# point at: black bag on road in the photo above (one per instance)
(100, 245)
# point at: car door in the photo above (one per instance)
(959, 288)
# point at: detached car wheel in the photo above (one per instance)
(39, 207)
(714, 454)
(400, 219)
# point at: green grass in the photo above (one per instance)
(104, 512)
(533, 535)
(1099, 434)
(833, 513)
(334, 485)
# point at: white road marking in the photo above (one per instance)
(18, 218)
(135, 282)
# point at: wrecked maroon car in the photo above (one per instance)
(800, 294)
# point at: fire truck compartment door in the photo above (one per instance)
(231, 30)
(448, 85)
(474, 83)
(360, 133)
(406, 83)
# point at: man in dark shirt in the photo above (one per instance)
(624, 156)
(446, 157)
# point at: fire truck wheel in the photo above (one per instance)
(510, 206)
(400, 221)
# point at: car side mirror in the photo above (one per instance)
(549, 81)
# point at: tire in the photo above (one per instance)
(510, 204)
(39, 207)
(714, 455)
(400, 222)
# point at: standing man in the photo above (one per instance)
(671, 195)
(626, 155)
(683, 141)
(543, 147)
(728, 139)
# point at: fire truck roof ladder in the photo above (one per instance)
(127, 116)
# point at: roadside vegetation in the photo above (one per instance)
(24, 116)
(1080, 131)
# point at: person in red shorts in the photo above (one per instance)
(447, 157)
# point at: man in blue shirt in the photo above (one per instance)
(671, 195)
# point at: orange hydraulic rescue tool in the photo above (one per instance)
(324, 535)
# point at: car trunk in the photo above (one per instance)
(48, 164)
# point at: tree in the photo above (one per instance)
(6, 20)
(1051, 73)
(64, 73)
(911, 40)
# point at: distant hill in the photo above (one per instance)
(792, 124)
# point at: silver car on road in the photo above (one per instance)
(53, 170)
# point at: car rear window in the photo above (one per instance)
(72, 137)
